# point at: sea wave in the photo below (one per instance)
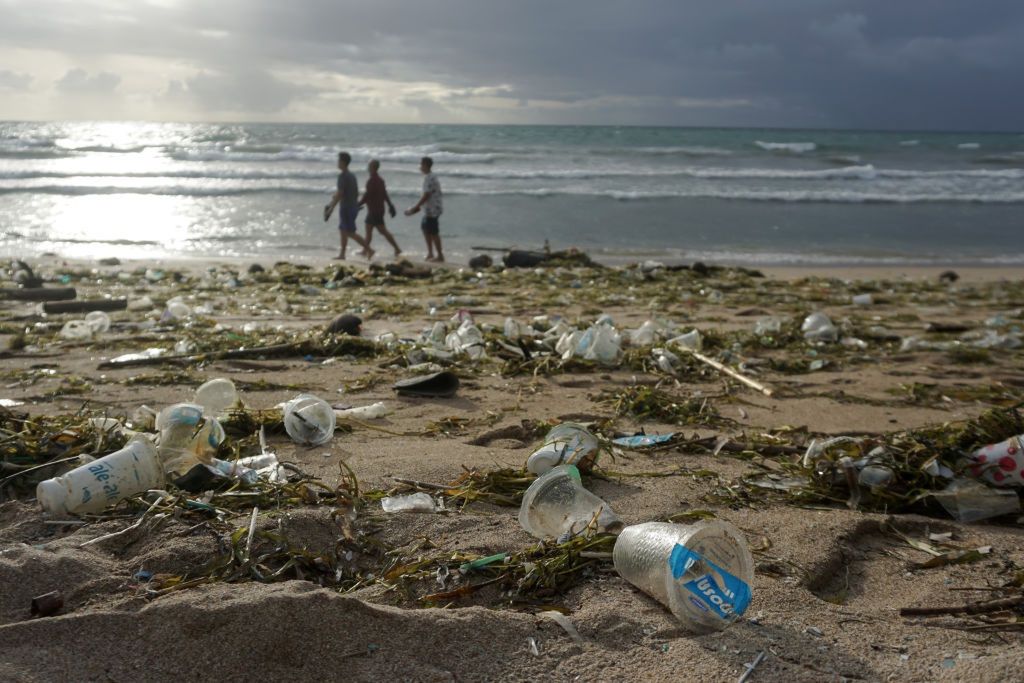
(323, 154)
(859, 172)
(834, 196)
(790, 147)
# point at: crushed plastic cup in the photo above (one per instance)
(567, 444)
(216, 396)
(105, 481)
(374, 411)
(702, 572)
(768, 325)
(862, 300)
(413, 502)
(968, 500)
(187, 437)
(819, 327)
(76, 329)
(176, 309)
(309, 420)
(557, 506)
(646, 334)
(691, 340)
(141, 304)
(98, 322)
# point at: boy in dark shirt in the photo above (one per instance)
(348, 197)
(374, 198)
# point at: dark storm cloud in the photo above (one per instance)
(867, 63)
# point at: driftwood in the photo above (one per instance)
(308, 347)
(38, 293)
(732, 373)
(86, 306)
(973, 608)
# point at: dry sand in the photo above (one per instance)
(111, 630)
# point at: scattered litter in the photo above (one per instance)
(564, 622)
(47, 604)
(556, 506)
(643, 440)
(309, 420)
(374, 411)
(566, 444)
(702, 572)
(413, 502)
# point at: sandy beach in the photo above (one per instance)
(367, 599)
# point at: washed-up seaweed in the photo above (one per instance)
(651, 403)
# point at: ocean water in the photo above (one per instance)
(755, 196)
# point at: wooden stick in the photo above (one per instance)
(38, 293)
(973, 608)
(732, 373)
(86, 306)
(252, 532)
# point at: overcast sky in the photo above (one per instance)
(913, 64)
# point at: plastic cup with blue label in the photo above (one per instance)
(702, 572)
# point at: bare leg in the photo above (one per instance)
(430, 246)
(383, 229)
(344, 245)
(437, 245)
(369, 238)
(360, 241)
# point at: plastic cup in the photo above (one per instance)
(566, 444)
(76, 329)
(556, 504)
(98, 322)
(93, 486)
(702, 572)
(216, 396)
(309, 420)
(187, 438)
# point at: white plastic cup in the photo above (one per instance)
(98, 322)
(76, 329)
(309, 420)
(557, 505)
(93, 486)
(566, 444)
(702, 572)
(216, 396)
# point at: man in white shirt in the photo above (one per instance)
(432, 205)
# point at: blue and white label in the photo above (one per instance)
(719, 591)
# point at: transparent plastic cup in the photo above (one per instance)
(216, 396)
(557, 505)
(98, 322)
(93, 486)
(76, 329)
(187, 437)
(702, 572)
(309, 420)
(566, 444)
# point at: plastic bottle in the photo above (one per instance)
(216, 396)
(309, 420)
(702, 572)
(567, 444)
(557, 505)
(93, 486)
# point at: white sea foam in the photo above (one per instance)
(909, 143)
(792, 147)
(968, 145)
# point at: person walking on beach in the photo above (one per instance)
(431, 203)
(375, 196)
(348, 197)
